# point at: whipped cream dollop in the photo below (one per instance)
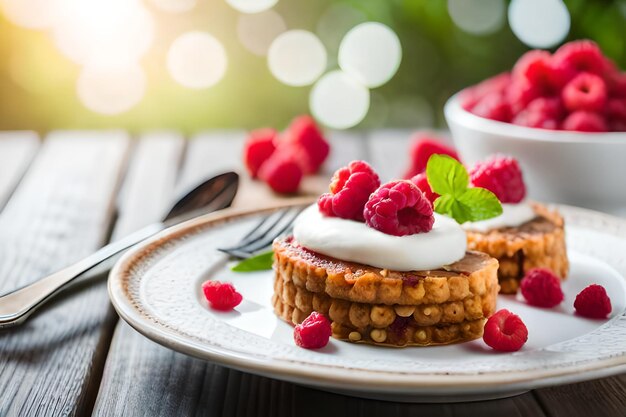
(354, 241)
(512, 215)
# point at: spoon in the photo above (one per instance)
(213, 194)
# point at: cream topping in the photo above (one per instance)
(354, 241)
(512, 215)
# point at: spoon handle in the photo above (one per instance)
(16, 306)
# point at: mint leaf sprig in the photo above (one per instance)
(449, 178)
(260, 262)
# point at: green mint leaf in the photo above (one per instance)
(481, 203)
(446, 175)
(448, 205)
(260, 262)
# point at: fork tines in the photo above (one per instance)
(263, 233)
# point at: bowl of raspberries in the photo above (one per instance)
(561, 114)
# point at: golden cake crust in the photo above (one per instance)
(537, 243)
(472, 275)
(377, 306)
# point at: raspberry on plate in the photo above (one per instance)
(350, 188)
(221, 295)
(502, 176)
(593, 302)
(399, 208)
(304, 133)
(541, 288)
(586, 91)
(423, 146)
(585, 121)
(259, 146)
(282, 172)
(505, 332)
(313, 332)
(422, 183)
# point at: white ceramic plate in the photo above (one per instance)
(156, 288)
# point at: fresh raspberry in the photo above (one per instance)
(399, 208)
(520, 94)
(221, 295)
(616, 114)
(304, 133)
(593, 302)
(617, 84)
(537, 119)
(493, 106)
(502, 176)
(423, 146)
(586, 91)
(550, 107)
(281, 172)
(313, 332)
(536, 67)
(350, 188)
(259, 146)
(422, 183)
(584, 121)
(579, 56)
(541, 288)
(505, 332)
(496, 84)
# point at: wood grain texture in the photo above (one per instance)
(17, 149)
(601, 398)
(59, 213)
(388, 150)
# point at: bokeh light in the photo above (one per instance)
(257, 31)
(371, 53)
(539, 23)
(297, 58)
(197, 60)
(111, 90)
(31, 14)
(174, 6)
(251, 6)
(479, 17)
(339, 101)
(103, 32)
(333, 25)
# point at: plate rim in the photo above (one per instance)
(328, 375)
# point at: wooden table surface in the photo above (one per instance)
(63, 197)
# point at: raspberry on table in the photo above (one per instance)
(585, 121)
(580, 56)
(399, 208)
(586, 91)
(282, 172)
(541, 288)
(303, 132)
(314, 332)
(593, 302)
(502, 176)
(259, 146)
(221, 295)
(422, 183)
(350, 188)
(423, 146)
(505, 332)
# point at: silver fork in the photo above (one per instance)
(263, 233)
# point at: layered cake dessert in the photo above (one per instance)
(383, 267)
(526, 235)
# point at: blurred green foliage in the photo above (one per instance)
(37, 83)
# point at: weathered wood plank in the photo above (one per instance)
(601, 398)
(60, 212)
(389, 152)
(17, 149)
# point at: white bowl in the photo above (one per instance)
(582, 169)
